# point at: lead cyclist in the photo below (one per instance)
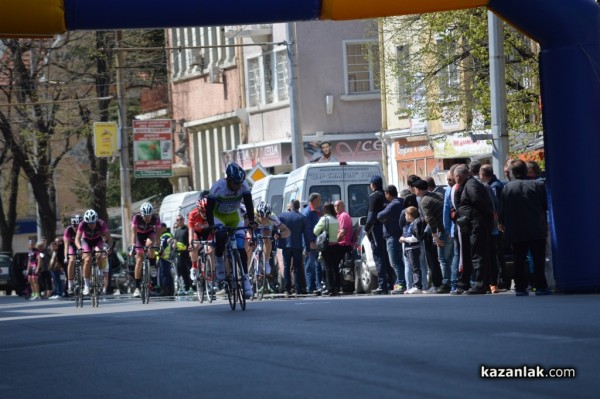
(223, 208)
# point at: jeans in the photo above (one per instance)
(445, 255)
(538, 253)
(57, 282)
(433, 262)
(382, 263)
(290, 254)
(394, 248)
(312, 270)
(165, 276)
(455, 263)
(413, 261)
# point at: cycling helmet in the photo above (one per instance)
(76, 219)
(263, 209)
(235, 173)
(201, 204)
(90, 216)
(146, 209)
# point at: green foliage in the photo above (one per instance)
(446, 67)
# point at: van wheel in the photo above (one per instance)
(364, 281)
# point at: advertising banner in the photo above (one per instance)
(460, 145)
(105, 139)
(153, 148)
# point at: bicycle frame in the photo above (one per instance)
(234, 279)
(146, 284)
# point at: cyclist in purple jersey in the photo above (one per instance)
(70, 250)
(144, 227)
(92, 234)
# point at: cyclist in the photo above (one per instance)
(92, 234)
(197, 230)
(70, 250)
(33, 271)
(144, 226)
(223, 208)
(266, 221)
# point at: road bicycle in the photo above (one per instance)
(146, 283)
(205, 283)
(234, 280)
(257, 271)
(96, 283)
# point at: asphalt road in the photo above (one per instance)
(423, 346)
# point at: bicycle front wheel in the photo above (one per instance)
(239, 281)
(261, 283)
(78, 286)
(145, 282)
(200, 291)
(95, 293)
(209, 278)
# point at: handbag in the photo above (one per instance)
(323, 238)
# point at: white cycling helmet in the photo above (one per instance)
(146, 209)
(263, 209)
(76, 219)
(90, 216)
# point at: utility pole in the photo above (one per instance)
(296, 133)
(124, 170)
(498, 93)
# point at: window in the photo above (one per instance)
(191, 60)
(267, 78)
(358, 200)
(362, 65)
(328, 193)
(448, 77)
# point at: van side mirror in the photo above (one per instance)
(362, 220)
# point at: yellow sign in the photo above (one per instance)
(105, 139)
(257, 173)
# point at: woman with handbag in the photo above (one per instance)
(326, 231)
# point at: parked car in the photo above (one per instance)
(5, 280)
(17, 268)
(365, 271)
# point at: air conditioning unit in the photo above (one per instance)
(214, 74)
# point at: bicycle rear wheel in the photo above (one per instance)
(200, 283)
(253, 274)
(209, 278)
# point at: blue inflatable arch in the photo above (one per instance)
(568, 32)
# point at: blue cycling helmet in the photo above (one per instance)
(235, 173)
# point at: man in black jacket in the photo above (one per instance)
(522, 217)
(477, 213)
(390, 217)
(374, 230)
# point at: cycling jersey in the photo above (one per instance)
(92, 234)
(227, 200)
(69, 239)
(196, 222)
(268, 222)
(139, 225)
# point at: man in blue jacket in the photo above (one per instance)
(312, 267)
(390, 217)
(374, 230)
(292, 247)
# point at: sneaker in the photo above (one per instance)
(70, 292)
(432, 290)
(398, 289)
(442, 289)
(220, 268)
(36, 297)
(191, 291)
(248, 293)
(456, 291)
(221, 292)
(103, 291)
(53, 297)
(86, 290)
(414, 290)
(136, 293)
(194, 274)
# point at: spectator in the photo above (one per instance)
(374, 230)
(345, 238)
(522, 217)
(291, 247)
(390, 217)
(431, 209)
(182, 256)
(312, 267)
(451, 248)
(412, 250)
(32, 271)
(434, 187)
(499, 281)
(45, 278)
(475, 211)
(164, 262)
(56, 267)
(332, 254)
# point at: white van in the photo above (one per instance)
(175, 204)
(346, 181)
(270, 189)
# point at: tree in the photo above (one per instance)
(442, 64)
